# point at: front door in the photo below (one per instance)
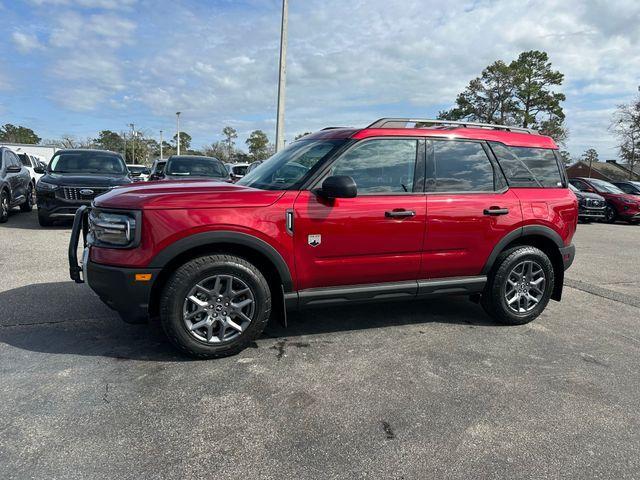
(376, 237)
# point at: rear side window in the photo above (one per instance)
(457, 166)
(528, 167)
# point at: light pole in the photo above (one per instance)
(133, 143)
(282, 77)
(161, 144)
(178, 134)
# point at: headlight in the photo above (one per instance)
(114, 229)
(49, 187)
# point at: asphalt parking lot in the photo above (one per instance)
(424, 390)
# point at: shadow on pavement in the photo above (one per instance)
(29, 221)
(66, 318)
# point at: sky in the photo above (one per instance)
(75, 67)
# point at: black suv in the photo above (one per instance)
(16, 187)
(74, 178)
(183, 167)
(591, 206)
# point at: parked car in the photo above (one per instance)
(237, 171)
(632, 188)
(157, 169)
(30, 162)
(139, 173)
(253, 165)
(74, 178)
(391, 211)
(591, 206)
(16, 185)
(620, 205)
(185, 167)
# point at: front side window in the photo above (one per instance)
(380, 166)
(528, 167)
(88, 162)
(24, 158)
(604, 186)
(458, 166)
(287, 168)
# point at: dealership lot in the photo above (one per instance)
(378, 391)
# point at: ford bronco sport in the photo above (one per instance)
(401, 209)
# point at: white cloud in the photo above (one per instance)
(25, 42)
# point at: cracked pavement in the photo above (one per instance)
(424, 390)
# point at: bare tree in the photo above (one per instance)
(626, 126)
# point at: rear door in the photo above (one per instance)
(376, 237)
(469, 208)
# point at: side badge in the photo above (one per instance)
(314, 240)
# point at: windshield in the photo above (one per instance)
(239, 169)
(195, 167)
(603, 186)
(288, 167)
(573, 189)
(88, 162)
(138, 169)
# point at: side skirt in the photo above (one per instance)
(379, 292)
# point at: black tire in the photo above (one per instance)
(196, 271)
(27, 206)
(493, 298)
(43, 219)
(610, 214)
(4, 206)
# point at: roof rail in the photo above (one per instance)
(419, 122)
(332, 128)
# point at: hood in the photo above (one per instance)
(85, 180)
(593, 196)
(186, 194)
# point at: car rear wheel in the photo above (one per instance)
(610, 214)
(27, 206)
(215, 306)
(4, 206)
(520, 286)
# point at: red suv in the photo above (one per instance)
(620, 205)
(399, 210)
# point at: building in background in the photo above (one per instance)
(43, 151)
(610, 170)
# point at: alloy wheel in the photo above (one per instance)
(525, 286)
(4, 207)
(609, 214)
(218, 309)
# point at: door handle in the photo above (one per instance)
(496, 211)
(399, 213)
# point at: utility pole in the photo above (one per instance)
(133, 143)
(124, 150)
(282, 77)
(161, 144)
(178, 134)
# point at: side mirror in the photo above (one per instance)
(40, 170)
(13, 169)
(339, 186)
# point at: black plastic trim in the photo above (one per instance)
(223, 236)
(518, 233)
(384, 291)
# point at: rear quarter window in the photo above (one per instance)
(528, 167)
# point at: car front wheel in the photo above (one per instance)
(27, 206)
(4, 206)
(43, 219)
(520, 286)
(610, 214)
(215, 306)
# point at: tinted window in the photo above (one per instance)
(88, 162)
(460, 167)
(603, 186)
(196, 167)
(380, 166)
(626, 188)
(24, 158)
(528, 167)
(160, 167)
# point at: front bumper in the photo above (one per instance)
(118, 287)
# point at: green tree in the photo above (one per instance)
(185, 141)
(109, 140)
(566, 157)
(18, 134)
(518, 94)
(230, 135)
(258, 143)
(590, 156)
(217, 150)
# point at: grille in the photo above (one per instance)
(82, 193)
(592, 202)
